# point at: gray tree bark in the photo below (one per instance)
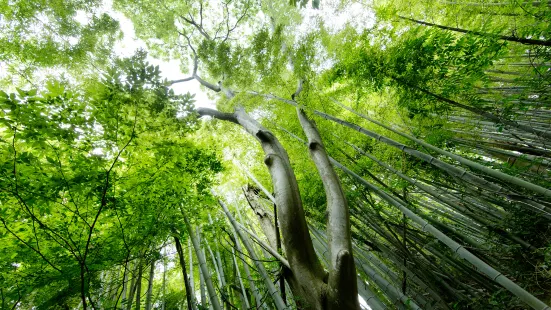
(343, 292)
(309, 282)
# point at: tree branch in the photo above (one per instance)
(230, 117)
(29, 246)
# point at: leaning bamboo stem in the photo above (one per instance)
(443, 199)
(497, 174)
(243, 291)
(202, 264)
(484, 268)
(278, 302)
(268, 248)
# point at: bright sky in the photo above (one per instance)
(330, 12)
(171, 69)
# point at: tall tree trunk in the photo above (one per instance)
(189, 296)
(343, 292)
(202, 263)
(149, 295)
(307, 277)
(139, 288)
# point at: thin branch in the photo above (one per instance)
(199, 27)
(29, 246)
(265, 246)
(479, 33)
(102, 205)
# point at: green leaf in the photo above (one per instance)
(51, 160)
(21, 92)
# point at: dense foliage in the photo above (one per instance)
(434, 114)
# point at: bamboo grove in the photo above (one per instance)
(381, 154)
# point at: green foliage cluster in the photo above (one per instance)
(54, 34)
(98, 170)
(87, 176)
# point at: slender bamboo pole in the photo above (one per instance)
(494, 173)
(243, 291)
(202, 264)
(191, 281)
(149, 295)
(189, 297)
(278, 301)
(454, 246)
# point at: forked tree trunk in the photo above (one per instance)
(308, 281)
(343, 292)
